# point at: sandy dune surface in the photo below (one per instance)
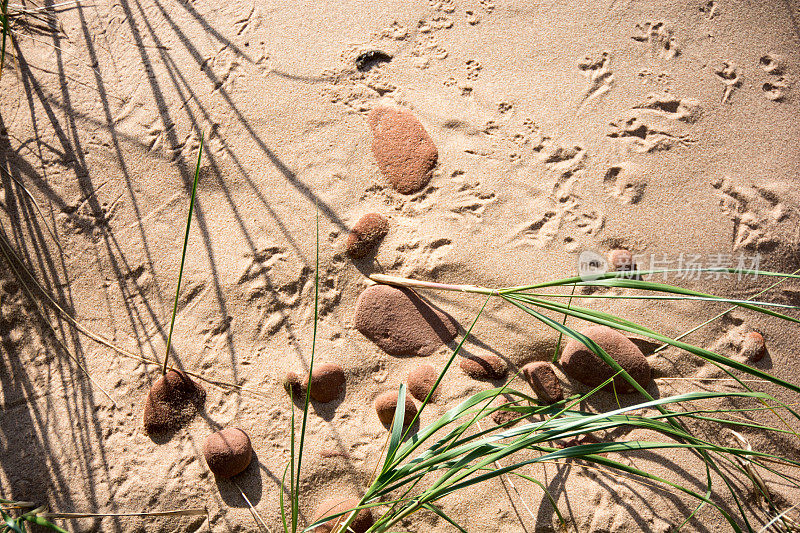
(666, 128)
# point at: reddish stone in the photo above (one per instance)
(401, 323)
(543, 381)
(581, 363)
(228, 452)
(366, 234)
(405, 152)
(484, 367)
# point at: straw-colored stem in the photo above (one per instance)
(413, 283)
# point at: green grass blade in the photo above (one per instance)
(296, 490)
(183, 255)
(442, 514)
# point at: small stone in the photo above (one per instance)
(361, 523)
(421, 381)
(366, 235)
(327, 382)
(172, 401)
(385, 405)
(580, 363)
(543, 381)
(405, 152)
(484, 367)
(293, 385)
(621, 260)
(502, 417)
(401, 323)
(753, 346)
(228, 452)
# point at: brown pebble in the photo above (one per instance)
(580, 363)
(228, 452)
(401, 323)
(543, 381)
(405, 152)
(621, 260)
(293, 385)
(366, 235)
(172, 401)
(361, 523)
(485, 367)
(753, 346)
(327, 382)
(385, 405)
(421, 381)
(501, 417)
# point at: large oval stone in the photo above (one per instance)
(401, 323)
(581, 363)
(405, 152)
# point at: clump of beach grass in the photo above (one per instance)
(455, 452)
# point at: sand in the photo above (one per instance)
(668, 129)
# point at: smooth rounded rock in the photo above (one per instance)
(504, 417)
(580, 363)
(543, 380)
(172, 401)
(401, 323)
(385, 405)
(405, 152)
(753, 346)
(228, 452)
(366, 235)
(483, 367)
(361, 523)
(421, 381)
(327, 382)
(621, 260)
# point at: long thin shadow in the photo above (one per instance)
(290, 176)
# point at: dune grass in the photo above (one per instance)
(455, 452)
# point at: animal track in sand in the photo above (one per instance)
(729, 75)
(473, 69)
(626, 181)
(81, 218)
(755, 212)
(660, 37)
(774, 89)
(276, 283)
(710, 9)
(421, 257)
(585, 218)
(564, 205)
(659, 123)
(601, 79)
(359, 88)
(470, 200)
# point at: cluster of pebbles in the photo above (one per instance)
(402, 324)
(172, 401)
